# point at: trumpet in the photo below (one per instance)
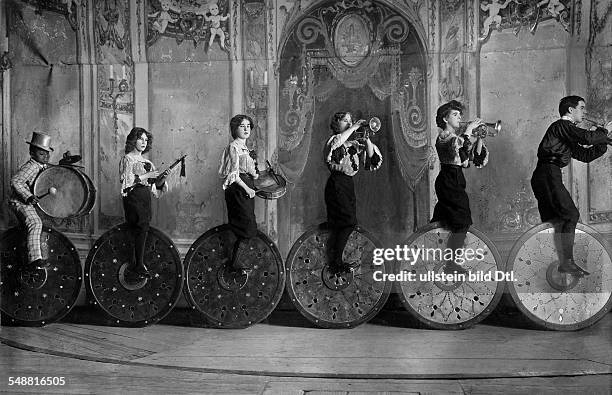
(364, 132)
(490, 129)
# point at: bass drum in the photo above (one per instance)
(457, 303)
(133, 304)
(336, 300)
(557, 301)
(36, 297)
(75, 193)
(228, 298)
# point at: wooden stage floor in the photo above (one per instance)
(289, 356)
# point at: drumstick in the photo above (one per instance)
(51, 191)
(272, 172)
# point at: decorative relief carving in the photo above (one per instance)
(111, 24)
(335, 48)
(67, 8)
(521, 213)
(188, 20)
(515, 14)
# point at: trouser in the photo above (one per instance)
(137, 208)
(28, 217)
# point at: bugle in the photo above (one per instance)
(365, 131)
(490, 129)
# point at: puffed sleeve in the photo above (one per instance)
(331, 152)
(157, 192)
(229, 166)
(480, 160)
(373, 162)
(126, 176)
(464, 149)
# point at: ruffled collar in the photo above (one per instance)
(240, 144)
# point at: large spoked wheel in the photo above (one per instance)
(560, 301)
(35, 297)
(134, 304)
(228, 298)
(336, 300)
(458, 302)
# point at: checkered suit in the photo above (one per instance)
(21, 190)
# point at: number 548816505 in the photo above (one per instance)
(36, 381)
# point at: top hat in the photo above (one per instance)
(41, 141)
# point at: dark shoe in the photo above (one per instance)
(570, 267)
(132, 276)
(452, 267)
(344, 267)
(40, 264)
(142, 271)
(238, 261)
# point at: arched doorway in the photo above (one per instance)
(366, 59)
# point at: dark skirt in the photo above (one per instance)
(340, 200)
(554, 200)
(453, 206)
(241, 208)
(137, 206)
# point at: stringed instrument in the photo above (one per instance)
(161, 176)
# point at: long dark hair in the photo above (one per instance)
(236, 121)
(135, 133)
(334, 124)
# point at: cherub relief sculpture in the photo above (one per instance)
(162, 17)
(215, 26)
(494, 17)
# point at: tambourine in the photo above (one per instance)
(270, 185)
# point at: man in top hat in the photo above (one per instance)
(22, 199)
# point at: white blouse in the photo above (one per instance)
(235, 159)
(131, 167)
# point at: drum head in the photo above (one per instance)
(228, 298)
(133, 304)
(270, 185)
(450, 304)
(560, 301)
(35, 297)
(71, 191)
(335, 300)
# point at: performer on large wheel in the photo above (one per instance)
(238, 169)
(342, 155)
(22, 199)
(139, 180)
(41, 270)
(234, 274)
(455, 152)
(562, 142)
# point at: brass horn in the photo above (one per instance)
(490, 129)
(374, 125)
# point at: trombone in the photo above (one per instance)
(490, 129)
